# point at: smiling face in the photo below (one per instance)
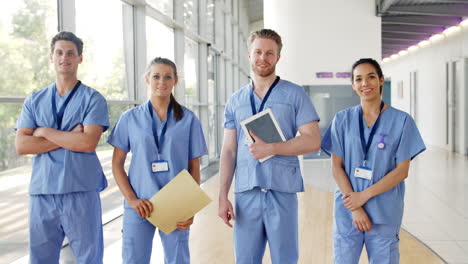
(162, 79)
(65, 57)
(366, 82)
(263, 56)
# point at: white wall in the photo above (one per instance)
(254, 26)
(323, 36)
(429, 63)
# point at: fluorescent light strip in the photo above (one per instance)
(464, 23)
(436, 37)
(424, 43)
(451, 30)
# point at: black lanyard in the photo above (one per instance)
(159, 141)
(252, 99)
(365, 147)
(58, 117)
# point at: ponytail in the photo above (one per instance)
(178, 111)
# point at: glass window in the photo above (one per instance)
(26, 28)
(235, 10)
(159, 40)
(219, 26)
(210, 20)
(235, 44)
(243, 58)
(244, 79)
(191, 15)
(212, 124)
(191, 73)
(165, 6)
(228, 36)
(115, 111)
(236, 79)
(9, 113)
(228, 4)
(103, 66)
(222, 90)
(229, 80)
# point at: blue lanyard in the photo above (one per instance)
(58, 116)
(159, 141)
(252, 99)
(365, 147)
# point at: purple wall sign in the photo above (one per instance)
(330, 75)
(324, 74)
(343, 75)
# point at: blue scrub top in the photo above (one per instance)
(184, 141)
(64, 171)
(402, 143)
(292, 108)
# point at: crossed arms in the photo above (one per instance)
(45, 139)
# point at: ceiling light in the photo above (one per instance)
(464, 23)
(394, 56)
(451, 30)
(424, 43)
(386, 59)
(402, 52)
(413, 48)
(436, 37)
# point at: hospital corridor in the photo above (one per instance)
(361, 108)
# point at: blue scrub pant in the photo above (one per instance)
(263, 216)
(138, 236)
(75, 215)
(381, 243)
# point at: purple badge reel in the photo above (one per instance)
(381, 143)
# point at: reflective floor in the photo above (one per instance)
(436, 215)
(211, 240)
(436, 200)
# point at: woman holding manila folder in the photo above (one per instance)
(164, 138)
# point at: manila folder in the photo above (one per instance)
(176, 202)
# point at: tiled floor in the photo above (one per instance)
(436, 200)
(436, 210)
(214, 245)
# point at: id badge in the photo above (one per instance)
(363, 172)
(160, 166)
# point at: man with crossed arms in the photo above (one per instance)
(61, 125)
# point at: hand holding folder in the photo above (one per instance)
(176, 202)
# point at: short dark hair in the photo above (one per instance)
(266, 34)
(370, 61)
(69, 36)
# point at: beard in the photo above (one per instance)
(264, 72)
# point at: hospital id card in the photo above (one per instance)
(160, 166)
(363, 172)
